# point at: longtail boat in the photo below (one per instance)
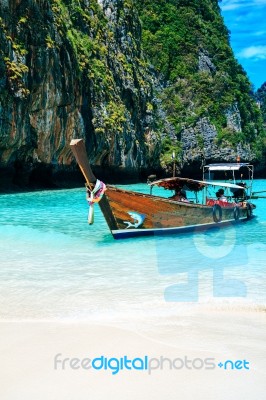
(130, 213)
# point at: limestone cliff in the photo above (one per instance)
(207, 97)
(78, 68)
(73, 69)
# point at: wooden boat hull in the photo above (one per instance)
(131, 214)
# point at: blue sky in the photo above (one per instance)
(246, 19)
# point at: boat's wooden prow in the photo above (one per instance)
(79, 150)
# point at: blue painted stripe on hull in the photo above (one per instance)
(129, 233)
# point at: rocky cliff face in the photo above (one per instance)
(207, 96)
(71, 69)
(200, 144)
(68, 71)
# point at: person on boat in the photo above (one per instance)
(180, 195)
(220, 195)
(240, 194)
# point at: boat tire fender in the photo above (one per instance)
(217, 213)
(249, 211)
(236, 213)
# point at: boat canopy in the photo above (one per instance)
(224, 184)
(177, 183)
(226, 166)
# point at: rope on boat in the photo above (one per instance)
(94, 196)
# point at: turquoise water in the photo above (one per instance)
(53, 265)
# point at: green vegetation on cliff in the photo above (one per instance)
(261, 99)
(188, 43)
(76, 68)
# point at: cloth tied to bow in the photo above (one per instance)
(94, 196)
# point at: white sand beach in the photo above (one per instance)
(28, 351)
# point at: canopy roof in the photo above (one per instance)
(226, 166)
(177, 183)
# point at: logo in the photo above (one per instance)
(220, 252)
(137, 218)
(145, 363)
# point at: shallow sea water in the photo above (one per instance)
(53, 265)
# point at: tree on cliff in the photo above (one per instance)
(261, 98)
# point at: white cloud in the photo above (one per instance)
(232, 6)
(256, 52)
(259, 33)
(228, 5)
